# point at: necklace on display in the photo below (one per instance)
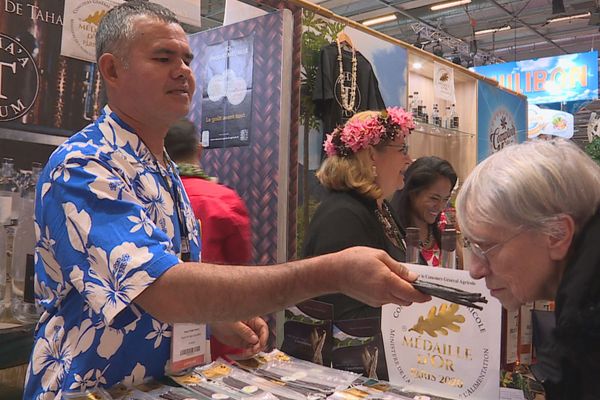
(348, 100)
(426, 244)
(390, 228)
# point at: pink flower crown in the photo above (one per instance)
(357, 134)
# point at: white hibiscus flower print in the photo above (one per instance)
(54, 352)
(106, 185)
(115, 135)
(126, 165)
(159, 330)
(117, 277)
(45, 252)
(92, 378)
(157, 202)
(62, 170)
(46, 295)
(112, 339)
(137, 375)
(142, 222)
(89, 145)
(79, 224)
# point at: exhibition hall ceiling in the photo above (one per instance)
(513, 30)
(530, 28)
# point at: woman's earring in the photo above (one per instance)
(374, 169)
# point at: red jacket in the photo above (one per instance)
(224, 221)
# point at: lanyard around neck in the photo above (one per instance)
(174, 193)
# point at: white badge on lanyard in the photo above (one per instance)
(188, 346)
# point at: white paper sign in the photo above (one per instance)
(81, 19)
(443, 82)
(443, 348)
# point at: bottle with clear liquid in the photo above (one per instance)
(435, 116)
(412, 245)
(23, 299)
(420, 108)
(425, 115)
(415, 105)
(411, 104)
(447, 119)
(454, 122)
(9, 192)
(448, 249)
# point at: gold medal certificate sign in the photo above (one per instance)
(443, 348)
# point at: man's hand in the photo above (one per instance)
(250, 336)
(373, 277)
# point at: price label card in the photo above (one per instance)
(188, 346)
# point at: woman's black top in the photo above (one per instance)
(343, 220)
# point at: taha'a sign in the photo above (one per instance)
(443, 348)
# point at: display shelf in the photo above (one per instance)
(435, 130)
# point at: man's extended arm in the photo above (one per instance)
(206, 293)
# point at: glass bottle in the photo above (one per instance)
(425, 115)
(23, 299)
(420, 106)
(412, 245)
(454, 122)
(448, 248)
(435, 116)
(8, 193)
(415, 106)
(411, 104)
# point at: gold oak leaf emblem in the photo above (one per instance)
(95, 17)
(444, 77)
(442, 321)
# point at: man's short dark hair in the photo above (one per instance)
(115, 30)
(182, 141)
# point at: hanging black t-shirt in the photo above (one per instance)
(326, 94)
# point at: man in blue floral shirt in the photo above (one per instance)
(118, 245)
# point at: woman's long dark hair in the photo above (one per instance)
(419, 176)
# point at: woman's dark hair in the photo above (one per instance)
(419, 176)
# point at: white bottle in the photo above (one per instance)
(23, 299)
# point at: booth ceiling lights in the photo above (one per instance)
(380, 20)
(449, 4)
(569, 17)
(493, 30)
(460, 48)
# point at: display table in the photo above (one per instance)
(16, 342)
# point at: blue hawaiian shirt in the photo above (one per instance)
(107, 227)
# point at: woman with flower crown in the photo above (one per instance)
(365, 162)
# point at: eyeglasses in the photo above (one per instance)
(481, 254)
(403, 147)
